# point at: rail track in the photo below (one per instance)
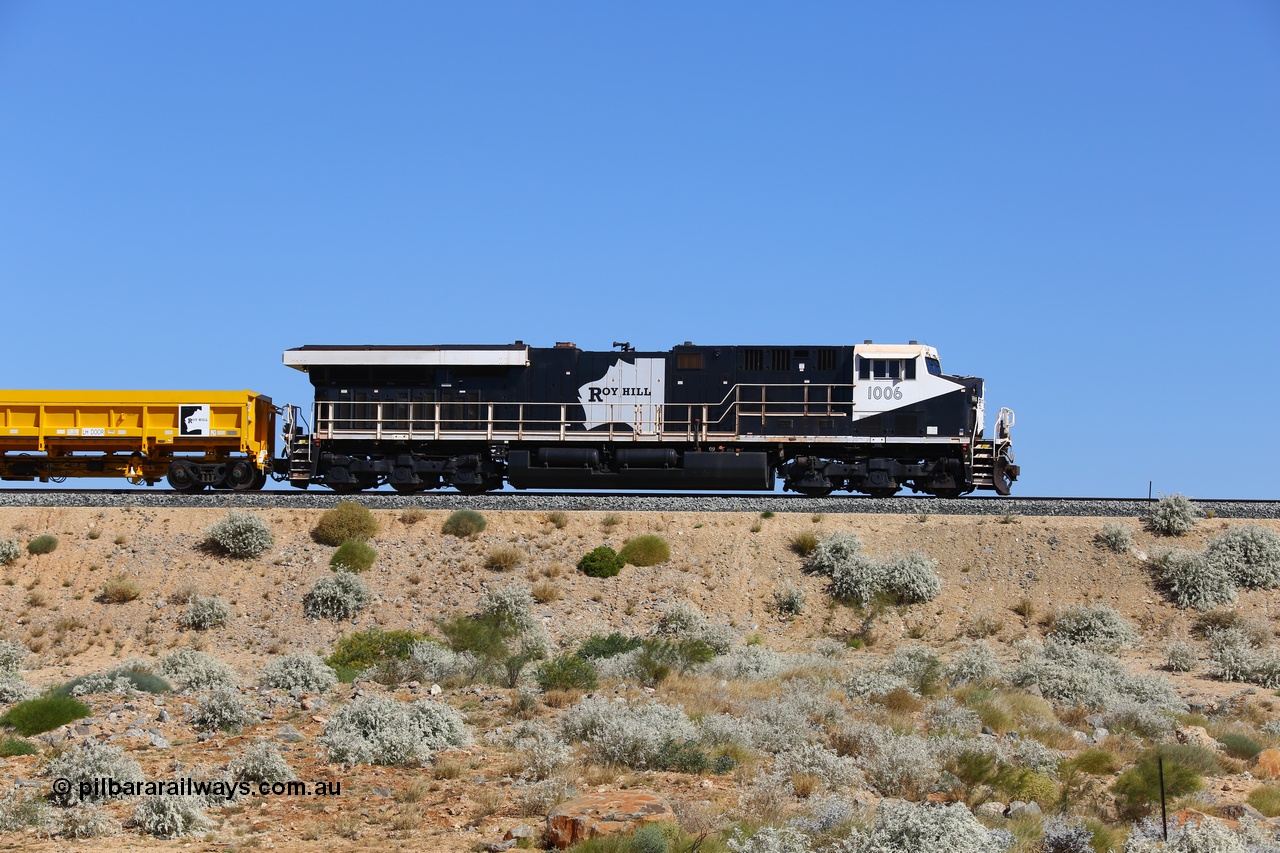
(648, 502)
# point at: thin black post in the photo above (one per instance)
(1164, 816)
(1149, 484)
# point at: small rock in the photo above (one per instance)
(498, 846)
(987, 730)
(1100, 734)
(163, 716)
(990, 810)
(1017, 809)
(435, 690)
(518, 831)
(382, 791)
(288, 734)
(159, 742)
(1268, 766)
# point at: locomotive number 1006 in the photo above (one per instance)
(884, 392)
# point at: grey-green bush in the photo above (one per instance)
(10, 551)
(1190, 580)
(86, 761)
(12, 656)
(339, 596)
(204, 612)
(910, 578)
(302, 671)
(1250, 555)
(260, 762)
(168, 815)
(377, 730)
(789, 601)
(1173, 515)
(242, 535)
(838, 549)
(189, 669)
(1116, 536)
(1180, 656)
(86, 821)
(1099, 626)
(222, 709)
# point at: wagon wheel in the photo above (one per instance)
(182, 478)
(241, 475)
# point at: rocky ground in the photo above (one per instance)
(1001, 577)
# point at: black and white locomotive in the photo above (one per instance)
(870, 418)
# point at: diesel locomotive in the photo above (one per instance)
(870, 418)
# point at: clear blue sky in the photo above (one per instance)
(1078, 201)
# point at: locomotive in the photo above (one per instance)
(869, 418)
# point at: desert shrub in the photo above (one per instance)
(130, 678)
(377, 730)
(1190, 580)
(1076, 675)
(975, 663)
(20, 811)
(512, 604)
(1100, 627)
(14, 689)
(170, 815)
(302, 671)
(557, 519)
(240, 534)
(44, 544)
(260, 762)
(832, 770)
(649, 839)
(918, 666)
(910, 578)
(597, 646)
(364, 649)
(566, 672)
(12, 746)
(628, 734)
(1250, 555)
(789, 601)
(205, 612)
(1236, 657)
(804, 543)
(463, 523)
(347, 520)
(1066, 836)
(86, 821)
(189, 669)
(648, 549)
(1239, 745)
(900, 826)
(43, 714)
(120, 589)
(354, 555)
(768, 839)
(340, 596)
(1180, 656)
(834, 551)
(1116, 536)
(658, 658)
(946, 716)
(897, 765)
(749, 663)
(1137, 790)
(1266, 799)
(86, 761)
(431, 661)
(504, 558)
(603, 562)
(223, 709)
(10, 551)
(1173, 515)
(12, 656)
(683, 621)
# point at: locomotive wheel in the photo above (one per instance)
(182, 479)
(813, 491)
(882, 493)
(946, 493)
(241, 475)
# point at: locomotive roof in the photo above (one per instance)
(316, 355)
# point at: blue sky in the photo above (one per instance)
(1079, 202)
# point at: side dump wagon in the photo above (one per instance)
(194, 439)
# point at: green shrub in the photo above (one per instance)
(566, 672)
(1173, 515)
(598, 647)
(120, 589)
(1266, 799)
(646, 550)
(659, 658)
(1137, 791)
(45, 544)
(603, 562)
(1094, 761)
(241, 534)
(43, 714)
(10, 747)
(365, 649)
(464, 523)
(504, 558)
(804, 543)
(1240, 746)
(347, 520)
(649, 839)
(353, 556)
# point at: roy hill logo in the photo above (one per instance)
(629, 393)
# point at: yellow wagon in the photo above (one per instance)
(194, 439)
